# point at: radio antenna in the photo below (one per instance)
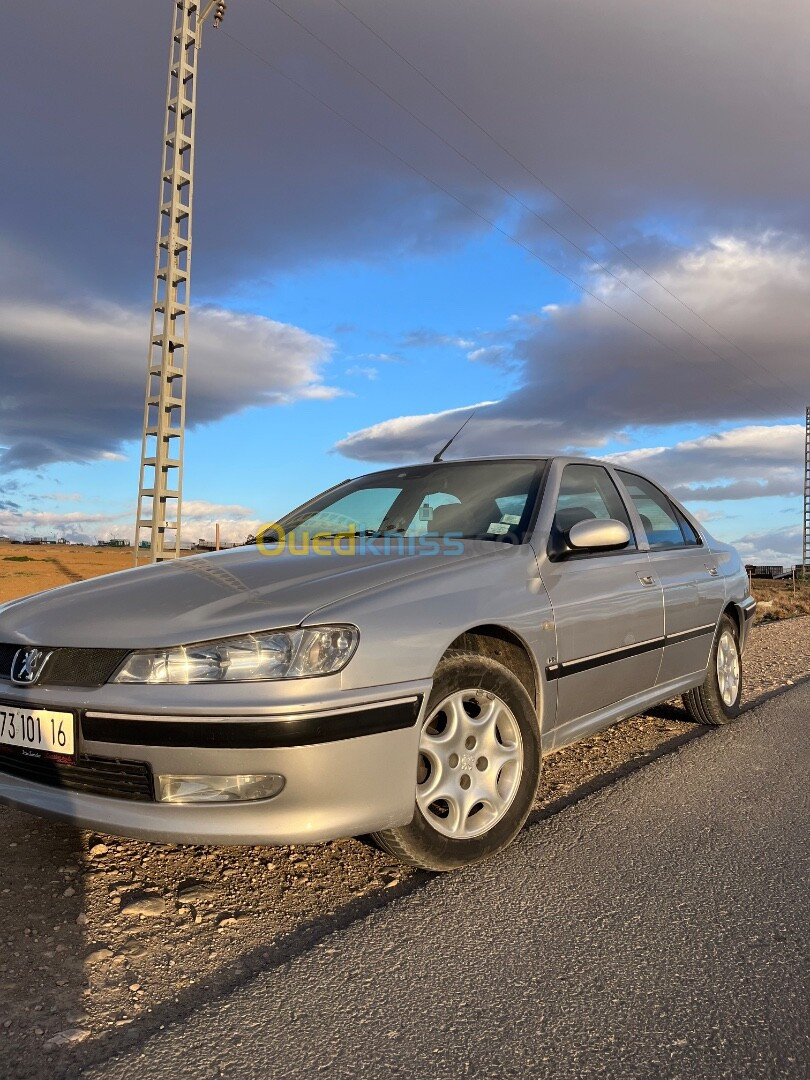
(452, 438)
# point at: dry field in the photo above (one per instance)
(31, 568)
(778, 600)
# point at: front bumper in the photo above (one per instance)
(748, 609)
(347, 771)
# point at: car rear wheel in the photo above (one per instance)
(717, 701)
(477, 770)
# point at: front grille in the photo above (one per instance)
(81, 667)
(70, 667)
(91, 775)
(7, 654)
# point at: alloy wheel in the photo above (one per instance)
(728, 668)
(470, 763)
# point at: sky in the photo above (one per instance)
(588, 220)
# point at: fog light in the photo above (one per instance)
(206, 789)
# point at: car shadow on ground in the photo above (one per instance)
(605, 779)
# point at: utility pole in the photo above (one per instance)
(160, 486)
(806, 526)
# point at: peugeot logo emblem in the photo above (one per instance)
(27, 666)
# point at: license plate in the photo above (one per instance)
(41, 730)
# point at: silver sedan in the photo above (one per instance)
(392, 658)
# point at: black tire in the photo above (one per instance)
(705, 704)
(420, 843)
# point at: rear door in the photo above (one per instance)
(608, 608)
(694, 591)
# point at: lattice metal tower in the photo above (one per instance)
(160, 487)
(806, 529)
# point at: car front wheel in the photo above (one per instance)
(478, 767)
(717, 701)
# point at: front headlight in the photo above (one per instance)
(277, 654)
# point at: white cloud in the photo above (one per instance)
(74, 374)
(84, 526)
(60, 496)
(434, 339)
(488, 354)
(315, 392)
(78, 526)
(363, 371)
(587, 376)
(201, 517)
(705, 516)
(200, 509)
(780, 546)
(742, 463)
(408, 438)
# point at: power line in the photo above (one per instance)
(507, 191)
(409, 63)
(461, 202)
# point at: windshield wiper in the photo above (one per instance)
(340, 535)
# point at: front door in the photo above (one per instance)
(608, 608)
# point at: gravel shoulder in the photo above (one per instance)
(103, 936)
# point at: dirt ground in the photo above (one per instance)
(781, 599)
(30, 568)
(104, 940)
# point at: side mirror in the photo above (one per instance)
(593, 534)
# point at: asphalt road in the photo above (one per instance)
(654, 929)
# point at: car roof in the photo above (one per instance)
(567, 459)
(509, 457)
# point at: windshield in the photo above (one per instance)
(487, 500)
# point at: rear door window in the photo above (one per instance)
(663, 525)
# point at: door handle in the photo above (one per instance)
(646, 579)
(712, 569)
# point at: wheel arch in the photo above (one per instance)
(734, 612)
(508, 648)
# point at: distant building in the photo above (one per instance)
(772, 571)
(114, 543)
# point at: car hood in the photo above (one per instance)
(202, 597)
